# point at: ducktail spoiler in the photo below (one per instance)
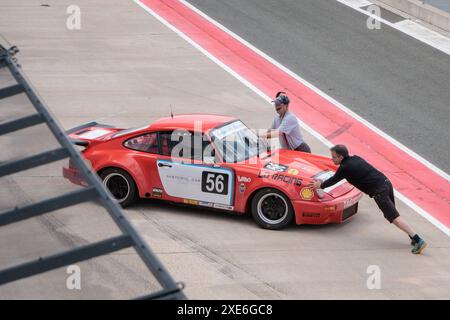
(88, 125)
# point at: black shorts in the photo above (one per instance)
(384, 197)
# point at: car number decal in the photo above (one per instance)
(215, 182)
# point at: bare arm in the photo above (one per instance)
(272, 133)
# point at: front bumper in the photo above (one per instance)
(323, 212)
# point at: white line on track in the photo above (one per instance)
(414, 155)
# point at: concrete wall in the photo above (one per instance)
(425, 12)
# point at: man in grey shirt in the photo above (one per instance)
(286, 126)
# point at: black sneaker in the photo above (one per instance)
(419, 247)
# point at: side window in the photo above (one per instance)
(184, 144)
(201, 147)
(147, 143)
(207, 152)
(167, 143)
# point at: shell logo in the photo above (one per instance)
(306, 193)
(294, 172)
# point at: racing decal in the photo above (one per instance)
(306, 193)
(228, 129)
(92, 134)
(214, 205)
(157, 193)
(214, 182)
(287, 179)
(190, 201)
(206, 204)
(244, 179)
(242, 188)
(275, 167)
(224, 207)
(197, 182)
(292, 171)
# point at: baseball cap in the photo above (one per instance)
(281, 99)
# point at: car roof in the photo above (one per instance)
(204, 122)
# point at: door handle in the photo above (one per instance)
(162, 164)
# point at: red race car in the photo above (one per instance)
(216, 162)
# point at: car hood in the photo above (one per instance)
(304, 166)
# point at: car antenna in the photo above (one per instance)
(171, 113)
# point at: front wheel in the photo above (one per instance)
(271, 209)
(121, 185)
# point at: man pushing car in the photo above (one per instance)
(369, 180)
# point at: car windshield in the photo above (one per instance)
(235, 142)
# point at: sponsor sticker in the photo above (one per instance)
(190, 201)
(206, 204)
(223, 206)
(157, 193)
(244, 179)
(227, 130)
(242, 188)
(306, 193)
(292, 171)
(275, 167)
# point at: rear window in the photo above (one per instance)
(147, 142)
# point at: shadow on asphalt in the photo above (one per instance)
(171, 208)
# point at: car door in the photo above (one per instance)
(184, 175)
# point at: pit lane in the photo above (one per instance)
(128, 74)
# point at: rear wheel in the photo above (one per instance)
(121, 185)
(271, 209)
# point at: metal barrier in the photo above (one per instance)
(94, 191)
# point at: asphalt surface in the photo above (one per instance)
(129, 74)
(394, 81)
(441, 4)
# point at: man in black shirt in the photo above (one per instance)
(372, 182)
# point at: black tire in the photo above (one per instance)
(121, 185)
(271, 209)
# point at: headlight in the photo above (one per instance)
(320, 193)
